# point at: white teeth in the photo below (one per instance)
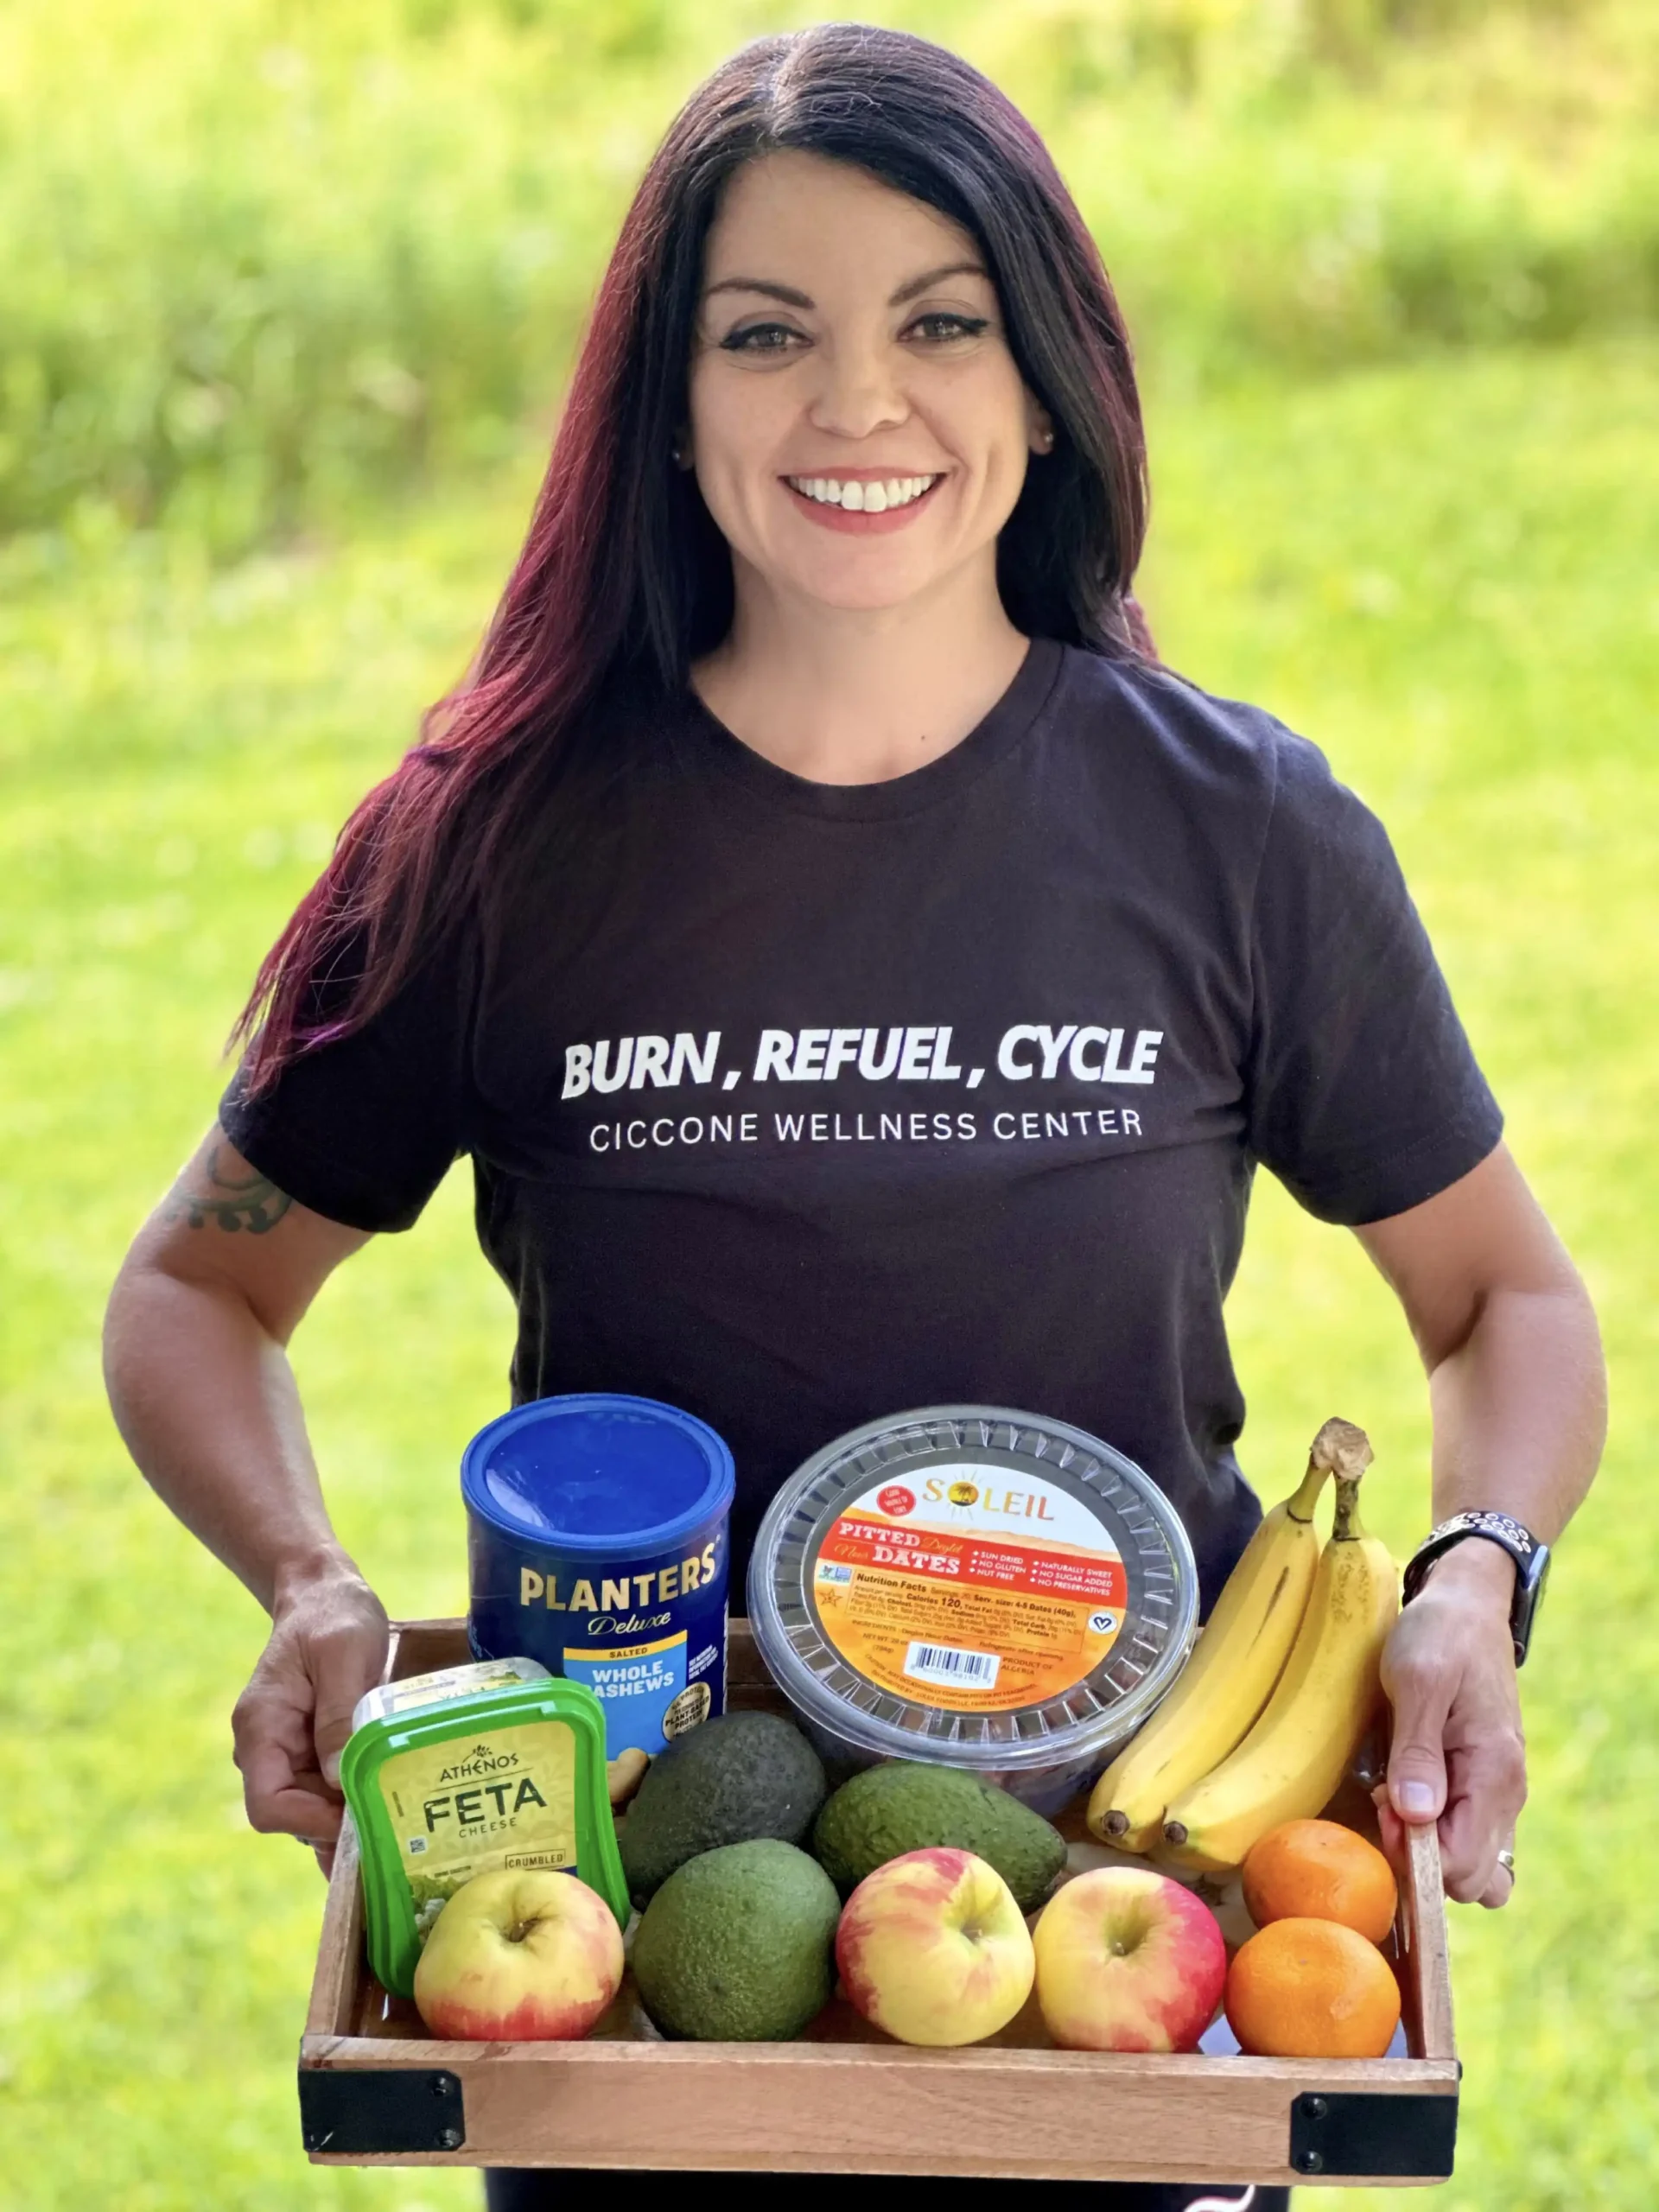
(856, 497)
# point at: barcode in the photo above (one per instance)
(939, 1662)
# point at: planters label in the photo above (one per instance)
(597, 1533)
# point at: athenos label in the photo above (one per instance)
(969, 1588)
(476, 1804)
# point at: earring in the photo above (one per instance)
(1045, 441)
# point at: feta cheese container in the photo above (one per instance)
(975, 1586)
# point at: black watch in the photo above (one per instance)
(1530, 1556)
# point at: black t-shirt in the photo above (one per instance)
(799, 1104)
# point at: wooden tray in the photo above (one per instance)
(376, 2090)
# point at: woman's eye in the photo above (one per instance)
(942, 327)
(760, 337)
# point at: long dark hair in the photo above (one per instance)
(623, 577)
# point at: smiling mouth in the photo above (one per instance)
(857, 496)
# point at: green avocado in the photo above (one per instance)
(743, 1776)
(889, 1810)
(735, 1946)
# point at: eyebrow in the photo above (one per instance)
(791, 297)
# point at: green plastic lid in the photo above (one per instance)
(464, 1772)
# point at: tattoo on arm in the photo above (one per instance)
(251, 1201)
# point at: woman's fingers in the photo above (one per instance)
(282, 1782)
(1498, 1890)
(326, 1647)
(1498, 1884)
(283, 1798)
(344, 1657)
(1488, 1788)
(1457, 1754)
(1421, 1689)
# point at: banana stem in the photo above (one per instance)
(1347, 1530)
(1300, 1507)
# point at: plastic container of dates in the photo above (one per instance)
(975, 1586)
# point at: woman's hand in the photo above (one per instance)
(1509, 1340)
(1458, 1756)
(328, 1645)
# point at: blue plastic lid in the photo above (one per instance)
(599, 1474)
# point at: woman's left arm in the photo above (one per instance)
(1518, 1393)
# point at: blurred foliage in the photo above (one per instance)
(267, 255)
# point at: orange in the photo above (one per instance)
(1311, 1989)
(1318, 1870)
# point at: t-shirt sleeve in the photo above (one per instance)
(1364, 1095)
(364, 1128)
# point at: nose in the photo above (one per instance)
(857, 392)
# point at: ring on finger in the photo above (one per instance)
(1506, 1860)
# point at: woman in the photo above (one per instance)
(817, 742)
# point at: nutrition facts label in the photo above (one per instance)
(966, 1590)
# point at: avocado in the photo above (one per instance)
(742, 1775)
(887, 1810)
(735, 1946)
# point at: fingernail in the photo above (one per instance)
(1416, 1801)
(331, 1769)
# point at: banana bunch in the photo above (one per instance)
(1274, 1704)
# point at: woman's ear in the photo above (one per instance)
(1040, 427)
(680, 451)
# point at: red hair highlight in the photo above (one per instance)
(555, 632)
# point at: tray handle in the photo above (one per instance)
(1423, 1936)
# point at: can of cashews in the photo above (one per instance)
(598, 1543)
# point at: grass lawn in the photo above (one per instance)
(1445, 573)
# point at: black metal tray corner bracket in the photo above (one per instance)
(363, 2112)
(1348, 2134)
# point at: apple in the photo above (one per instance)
(933, 1948)
(514, 1956)
(1128, 1960)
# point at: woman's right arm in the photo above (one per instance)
(194, 1357)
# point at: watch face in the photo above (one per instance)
(1535, 1575)
(1528, 1590)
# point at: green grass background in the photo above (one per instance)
(268, 425)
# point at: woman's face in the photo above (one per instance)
(859, 429)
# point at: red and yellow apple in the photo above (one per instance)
(535, 1956)
(1128, 1960)
(933, 1948)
